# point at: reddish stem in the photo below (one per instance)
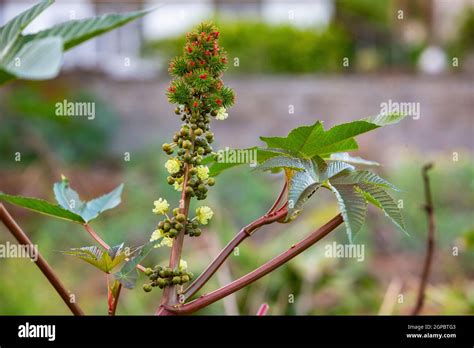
(207, 299)
(45, 268)
(263, 310)
(224, 254)
(430, 241)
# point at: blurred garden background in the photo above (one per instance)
(290, 63)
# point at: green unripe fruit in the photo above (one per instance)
(178, 226)
(189, 190)
(213, 113)
(194, 126)
(185, 279)
(202, 188)
(177, 111)
(154, 276)
(184, 132)
(187, 144)
(166, 227)
(197, 232)
(148, 272)
(176, 280)
(170, 180)
(161, 283)
(193, 171)
(173, 233)
(162, 273)
(201, 151)
(198, 132)
(180, 217)
(176, 213)
(211, 181)
(161, 224)
(198, 159)
(187, 158)
(166, 147)
(147, 287)
(195, 224)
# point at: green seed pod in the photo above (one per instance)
(148, 272)
(176, 212)
(187, 157)
(161, 224)
(154, 276)
(193, 171)
(189, 190)
(195, 224)
(211, 181)
(193, 126)
(202, 188)
(166, 147)
(180, 218)
(176, 280)
(213, 113)
(187, 144)
(177, 111)
(201, 151)
(166, 226)
(170, 180)
(162, 273)
(178, 226)
(198, 132)
(184, 132)
(173, 233)
(184, 279)
(147, 287)
(197, 232)
(161, 283)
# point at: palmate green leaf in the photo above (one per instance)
(382, 200)
(304, 183)
(98, 205)
(37, 60)
(345, 157)
(105, 260)
(280, 162)
(67, 197)
(308, 141)
(42, 206)
(128, 275)
(231, 158)
(75, 32)
(69, 200)
(361, 176)
(11, 31)
(301, 186)
(353, 207)
(38, 56)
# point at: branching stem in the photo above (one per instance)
(430, 241)
(45, 268)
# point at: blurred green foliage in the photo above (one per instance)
(265, 48)
(31, 127)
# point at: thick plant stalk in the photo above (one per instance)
(224, 254)
(243, 234)
(170, 295)
(430, 241)
(45, 268)
(207, 299)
